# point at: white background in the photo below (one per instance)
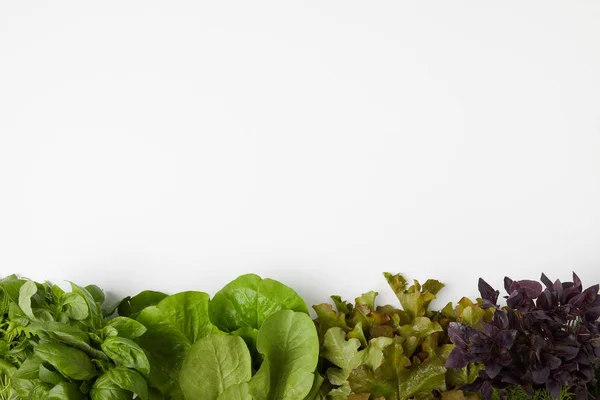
(176, 144)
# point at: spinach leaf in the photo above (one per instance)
(132, 306)
(289, 343)
(240, 391)
(173, 325)
(214, 364)
(249, 300)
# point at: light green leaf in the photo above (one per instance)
(172, 326)
(289, 343)
(342, 353)
(249, 300)
(75, 306)
(26, 292)
(240, 391)
(214, 364)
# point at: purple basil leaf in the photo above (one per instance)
(531, 289)
(567, 352)
(456, 359)
(487, 292)
(458, 334)
(505, 339)
(553, 387)
(540, 376)
(587, 372)
(486, 390)
(586, 298)
(576, 280)
(493, 370)
(546, 281)
(551, 361)
(507, 284)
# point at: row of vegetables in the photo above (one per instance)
(255, 340)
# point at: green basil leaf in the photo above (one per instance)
(105, 389)
(127, 327)
(127, 353)
(130, 380)
(26, 292)
(95, 311)
(96, 293)
(69, 361)
(75, 306)
(65, 391)
(50, 375)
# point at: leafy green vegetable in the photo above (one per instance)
(289, 343)
(214, 364)
(58, 345)
(382, 352)
(132, 306)
(173, 325)
(249, 300)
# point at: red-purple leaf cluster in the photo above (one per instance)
(544, 338)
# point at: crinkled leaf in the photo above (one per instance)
(342, 353)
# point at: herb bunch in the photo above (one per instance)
(544, 338)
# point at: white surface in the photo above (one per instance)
(176, 144)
